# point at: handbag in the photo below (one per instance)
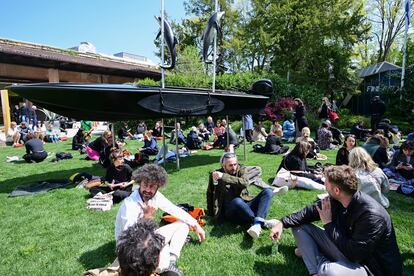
(333, 116)
(285, 178)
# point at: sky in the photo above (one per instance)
(111, 26)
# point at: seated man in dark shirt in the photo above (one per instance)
(357, 237)
(34, 149)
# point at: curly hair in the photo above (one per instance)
(151, 173)
(342, 176)
(138, 248)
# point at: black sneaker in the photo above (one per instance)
(172, 270)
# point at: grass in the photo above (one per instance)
(53, 233)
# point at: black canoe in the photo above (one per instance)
(109, 102)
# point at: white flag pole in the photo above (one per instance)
(407, 24)
(213, 86)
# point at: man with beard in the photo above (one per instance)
(357, 237)
(144, 202)
(228, 199)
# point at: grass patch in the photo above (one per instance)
(53, 233)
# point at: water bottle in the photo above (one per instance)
(275, 247)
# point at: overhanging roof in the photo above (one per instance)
(378, 68)
(23, 53)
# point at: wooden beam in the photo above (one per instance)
(53, 75)
(6, 109)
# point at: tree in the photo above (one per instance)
(387, 17)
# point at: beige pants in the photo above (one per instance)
(175, 235)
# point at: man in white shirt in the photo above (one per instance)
(144, 202)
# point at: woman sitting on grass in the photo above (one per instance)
(50, 135)
(13, 135)
(401, 167)
(371, 179)
(34, 149)
(314, 150)
(40, 130)
(274, 143)
(79, 141)
(295, 162)
(342, 156)
(377, 147)
(94, 149)
(259, 133)
(150, 144)
(117, 178)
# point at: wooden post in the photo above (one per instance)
(6, 109)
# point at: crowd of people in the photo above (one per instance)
(356, 238)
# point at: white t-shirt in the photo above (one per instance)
(130, 211)
(10, 133)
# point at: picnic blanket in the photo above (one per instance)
(40, 187)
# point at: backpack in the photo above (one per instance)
(63, 155)
(197, 213)
(258, 148)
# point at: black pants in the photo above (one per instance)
(35, 156)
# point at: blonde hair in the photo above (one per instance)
(106, 134)
(305, 132)
(360, 159)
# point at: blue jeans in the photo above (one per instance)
(249, 212)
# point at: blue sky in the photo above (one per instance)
(111, 26)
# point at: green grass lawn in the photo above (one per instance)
(54, 233)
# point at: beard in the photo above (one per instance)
(146, 196)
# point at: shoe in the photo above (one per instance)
(172, 270)
(298, 253)
(254, 231)
(269, 224)
(281, 190)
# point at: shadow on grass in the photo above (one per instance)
(406, 257)
(99, 257)
(285, 253)
(193, 161)
(8, 185)
(225, 229)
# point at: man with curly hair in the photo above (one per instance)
(138, 248)
(144, 202)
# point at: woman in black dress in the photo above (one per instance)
(342, 157)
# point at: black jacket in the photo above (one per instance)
(363, 232)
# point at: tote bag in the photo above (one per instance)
(285, 178)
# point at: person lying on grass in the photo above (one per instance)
(144, 202)
(357, 237)
(227, 197)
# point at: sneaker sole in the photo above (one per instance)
(252, 234)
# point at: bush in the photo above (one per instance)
(347, 120)
(280, 109)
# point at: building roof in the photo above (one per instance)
(378, 68)
(23, 53)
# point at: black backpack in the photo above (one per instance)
(258, 148)
(63, 155)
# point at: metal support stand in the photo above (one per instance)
(176, 145)
(163, 143)
(113, 134)
(244, 139)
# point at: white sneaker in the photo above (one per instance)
(254, 231)
(270, 223)
(281, 190)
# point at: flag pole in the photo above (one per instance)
(213, 86)
(407, 24)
